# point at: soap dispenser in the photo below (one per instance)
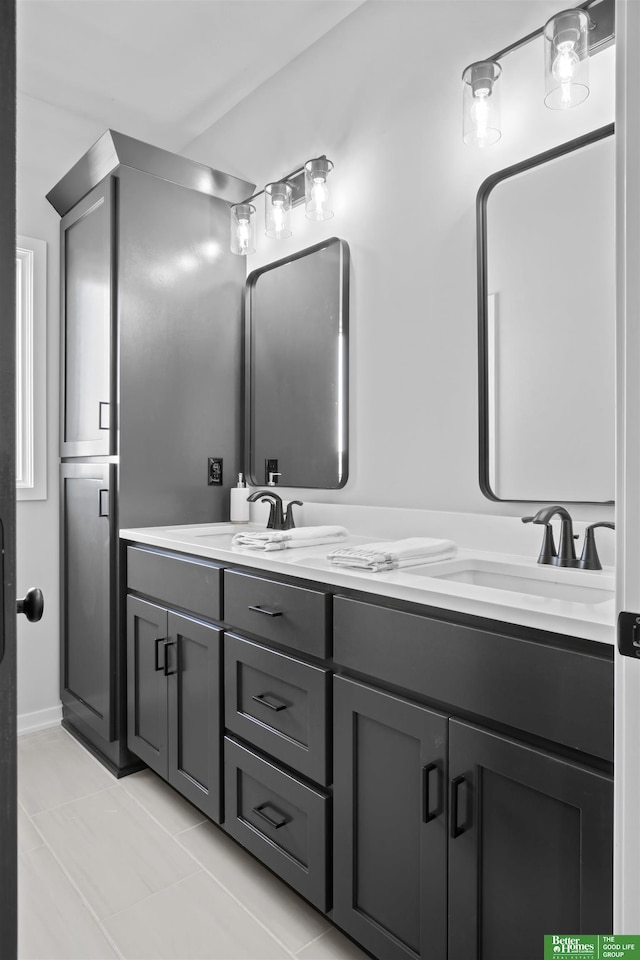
(239, 511)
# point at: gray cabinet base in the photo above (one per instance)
(118, 760)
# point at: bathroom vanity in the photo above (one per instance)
(437, 780)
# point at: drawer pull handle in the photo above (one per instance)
(268, 613)
(104, 407)
(157, 664)
(273, 822)
(457, 829)
(103, 503)
(167, 646)
(431, 812)
(272, 703)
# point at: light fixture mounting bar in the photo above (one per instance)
(602, 34)
(295, 179)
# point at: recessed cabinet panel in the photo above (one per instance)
(292, 616)
(147, 650)
(531, 848)
(390, 837)
(178, 581)
(87, 648)
(194, 653)
(279, 704)
(504, 678)
(86, 427)
(278, 818)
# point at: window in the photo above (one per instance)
(31, 285)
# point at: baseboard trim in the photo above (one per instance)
(39, 720)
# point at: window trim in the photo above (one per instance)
(31, 380)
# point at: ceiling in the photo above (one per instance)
(162, 70)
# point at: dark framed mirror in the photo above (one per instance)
(297, 391)
(546, 325)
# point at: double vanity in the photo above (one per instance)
(423, 754)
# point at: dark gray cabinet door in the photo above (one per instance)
(193, 665)
(390, 836)
(87, 328)
(531, 848)
(147, 664)
(88, 594)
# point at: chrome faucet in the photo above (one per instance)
(566, 555)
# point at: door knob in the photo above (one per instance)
(32, 605)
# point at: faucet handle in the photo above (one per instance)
(590, 559)
(548, 552)
(289, 522)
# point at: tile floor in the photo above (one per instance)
(129, 869)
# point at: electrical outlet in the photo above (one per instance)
(214, 471)
(270, 466)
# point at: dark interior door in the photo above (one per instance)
(193, 660)
(390, 835)
(87, 563)
(86, 231)
(8, 861)
(557, 877)
(147, 666)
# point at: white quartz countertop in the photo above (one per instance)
(593, 621)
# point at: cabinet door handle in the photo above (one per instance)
(457, 828)
(267, 613)
(167, 646)
(268, 701)
(430, 812)
(103, 503)
(157, 664)
(275, 823)
(101, 418)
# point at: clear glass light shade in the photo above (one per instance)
(481, 104)
(277, 210)
(317, 189)
(566, 59)
(242, 234)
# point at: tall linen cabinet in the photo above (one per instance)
(151, 377)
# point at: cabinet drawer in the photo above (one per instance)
(293, 616)
(279, 704)
(562, 695)
(178, 581)
(279, 819)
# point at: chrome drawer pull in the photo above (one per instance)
(268, 613)
(272, 703)
(276, 824)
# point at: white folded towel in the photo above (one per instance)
(392, 555)
(289, 539)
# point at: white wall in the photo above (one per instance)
(49, 142)
(381, 95)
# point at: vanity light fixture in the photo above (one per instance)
(277, 210)
(570, 38)
(242, 229)
(317, 193)
(566, 59)
(481, 103)
(309, 183)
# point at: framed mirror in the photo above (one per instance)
(546, 310)
(297, 335)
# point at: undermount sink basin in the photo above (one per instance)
(554, 583)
